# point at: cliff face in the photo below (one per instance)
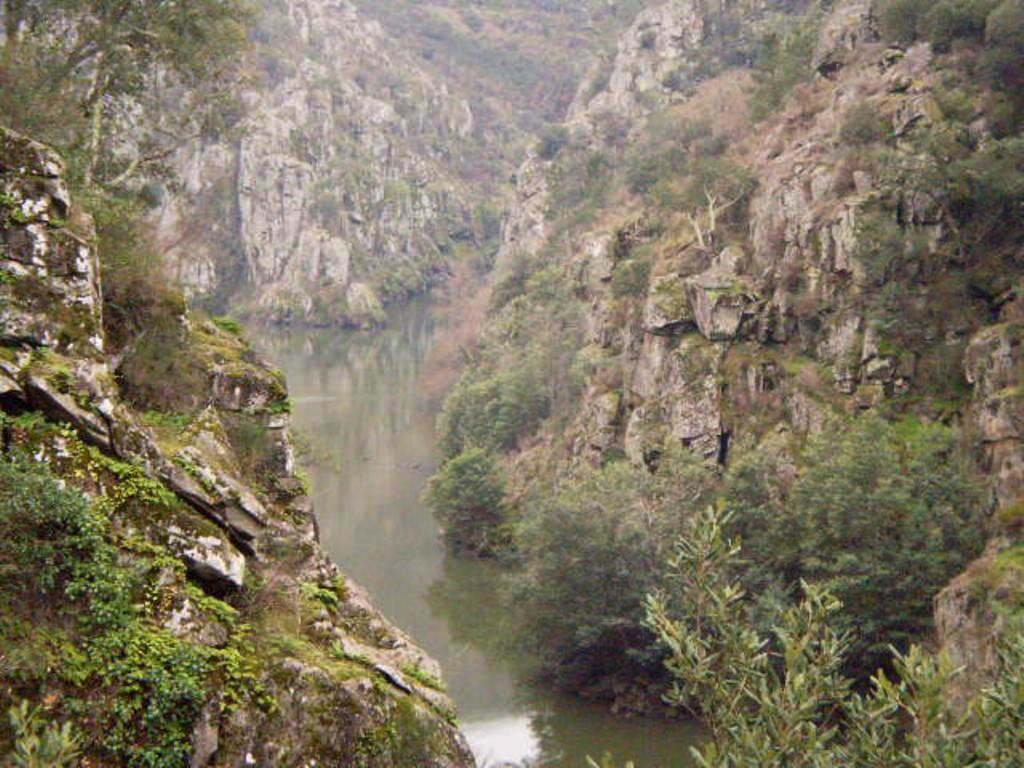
(197, 619)
(342, 187)
(845, 286)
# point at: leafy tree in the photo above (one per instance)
(900, 20)
(787, 50)
(883, 519)
(783, 701)
(949, 20)
(171, 65)
(592, 549)
(1004, 49)
(468, 496)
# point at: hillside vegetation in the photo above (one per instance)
(776, 272)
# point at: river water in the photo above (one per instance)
(359, 400)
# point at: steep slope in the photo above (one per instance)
(164, 588)
(734, 287)
(350, 182)
(377, 143)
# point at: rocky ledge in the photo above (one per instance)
(206, 502)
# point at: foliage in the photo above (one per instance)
(784, 702)
(631, 278)
(551, 142)
(899, 20)
(39, 743)
(881, 243)
(949, 20)
(862, 125)
(784, 60)
(882, 517)
(579, 183)
(524, 374)
(228, 324)
(422, 676)
(468, 496)
(493, 411)
(591, 549)
(111, 59)
(977, 189)
(134, 687)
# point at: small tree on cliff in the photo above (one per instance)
(166, 69)
(468, 496)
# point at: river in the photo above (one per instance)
(359, 400)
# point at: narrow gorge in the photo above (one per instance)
(511, 383)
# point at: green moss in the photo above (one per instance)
(421, 675)
(228, 324)
(1010, 515)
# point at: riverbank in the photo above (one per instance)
(359, 400)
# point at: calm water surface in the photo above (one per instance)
(360, 401)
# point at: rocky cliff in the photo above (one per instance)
(192, 617)
(790, 273)
(346, 184)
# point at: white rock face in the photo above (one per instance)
(341, 172)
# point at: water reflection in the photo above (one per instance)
(359, 399)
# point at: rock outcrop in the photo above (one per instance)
(339, 191)
(213, 489)
(841, 289)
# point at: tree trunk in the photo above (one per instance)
(95, 100)
(14, 15)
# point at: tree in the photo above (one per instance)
(468, 496)
(883, 518)
(592, 549)
(783, 702)
(169, 65)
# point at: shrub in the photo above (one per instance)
(468, 495)
(38, 743)
(949, 20)
(1004, 50)
(592, 549)
(862, 125)
(880, 243)
(159, 371)
(900, 20)
(784, 60)
(782, 700)
(57, 546)
(882, 517)
(631, 278)
(493, 411)
(552, 140)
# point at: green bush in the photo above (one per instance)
(468, 496)
(781, 700)
(900, 20)
(552, 140)
(785, 57)
(592, 548)
(38, 743)
(883, 517)
(1004, 51)
(949, 20)
(862, 125)
(493, 411)
(131, 685)
(631, 278)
